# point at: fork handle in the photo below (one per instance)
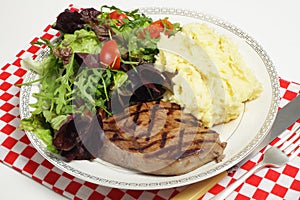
(224, 193)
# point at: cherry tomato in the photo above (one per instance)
(163, 23)
(155, 28)
(118, 16)
(110, 55)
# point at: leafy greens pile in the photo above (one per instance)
(76, 84)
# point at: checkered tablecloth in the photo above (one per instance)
(16, 151)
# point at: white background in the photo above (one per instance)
(273, 23)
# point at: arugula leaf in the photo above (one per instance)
(64, 91)
(93, 85)
(120, 78)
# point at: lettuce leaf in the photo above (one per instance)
(42, 129)
(39, 67)
(68, 22)
(82, 41)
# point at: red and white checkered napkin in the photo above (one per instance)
(17, 152)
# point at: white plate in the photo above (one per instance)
(242, 135)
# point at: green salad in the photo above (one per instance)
(95, 61)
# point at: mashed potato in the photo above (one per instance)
(211, 80)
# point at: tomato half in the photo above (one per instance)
(156, 27)
(163, 23)
(110, 55)
(118, 16)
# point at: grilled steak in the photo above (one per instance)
(159, 138)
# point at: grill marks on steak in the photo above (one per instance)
(159, 138)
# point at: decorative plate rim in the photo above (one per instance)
(39, 145)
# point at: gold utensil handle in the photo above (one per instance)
(197, 190)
